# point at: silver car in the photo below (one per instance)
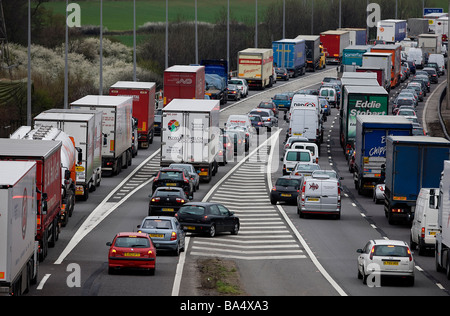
(190, 170)
(269, 118)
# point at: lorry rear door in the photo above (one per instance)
(406, 178)
(197, 148)
(433, 163)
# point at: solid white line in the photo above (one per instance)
(250, 258)
(44, 279)
(179, 271)
(424, 121)
(102, 211)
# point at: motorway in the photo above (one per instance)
(276, 252)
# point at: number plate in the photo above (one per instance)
(203, 173)
(190, 227)
(168, 210)
(171, 184)
(131, 254)
(156, 235)
(390, 263)
(313, 199)
(286, 195)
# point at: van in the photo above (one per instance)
(416, 55)
(305, 100)
(320, 195)
(438, 59)
(329, 94)
(309, 146)
(306, 123)
(239, 120)
(292, 156)
(425, 224)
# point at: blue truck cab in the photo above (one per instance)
(412, 163)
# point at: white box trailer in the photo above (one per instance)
(190, 134)
(116, 128)
(442, 255)
(256, 66)
(83, 127)
(430, 43)
(18, 223)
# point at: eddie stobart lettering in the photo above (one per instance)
(366, 108)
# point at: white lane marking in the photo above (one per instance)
(42, 283)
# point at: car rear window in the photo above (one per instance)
(128, 242)
(192, 210)
(391, 251)
(281, 97)
(298, 156)
(167, 193)
(288, 182)
(157, 224)
(171, 175)
(262, 113)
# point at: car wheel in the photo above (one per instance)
(235, 229)
(176, 252)
(212, 231)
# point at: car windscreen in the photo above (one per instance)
(129, 242)
(152, 223)
(391, 251)
(192, 210)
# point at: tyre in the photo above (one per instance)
(212, 231)
(235, 229)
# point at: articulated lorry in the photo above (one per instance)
(352, 57)
(47, 155)
(116, 128)
(85, 127)
(381, 61)
(68, 162)
(143, 94)
(391, 31)
(314, 52)
(442, 249)
(184, 82)
(412, 163)
(18, 222)
(256, 66)
(334, 43)
(370, 147)
(290, 54)
(216, 76)
(396, 60)
(190, 134)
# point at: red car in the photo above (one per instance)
(131, 250)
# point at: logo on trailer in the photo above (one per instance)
(173, 125)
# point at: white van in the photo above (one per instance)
(305, 100)
(305, 122)
(311, 147)
(329, 94)
(416, 55)
(425, 224)
(292, 156)
(438, 59)
(320, 195)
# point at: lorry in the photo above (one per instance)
(430, 43)
(360, 100)
(381, 78)
(116, 129)
(144, 107)
(412, 163)
(85, 126)
(18, 223)
(352, 57)
(334, 43)
(416, 26)
(68, 162)
(442, 28)
(47, 155)
(290, 54)
(358, 36)
(184, 82)
(391, 31)
(381, 61)
(189, 134)
(396, 60)
(216, 76)
(313, 51)
(370, 147)
(256, 66)
(442, 249)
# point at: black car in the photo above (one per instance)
(257, 122)
(207, 218)
(166, 201)
(171, 177)
(282, 73)
(286, 189)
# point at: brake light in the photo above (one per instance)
(303, 194)
(371, 252)
(180, 200)
(173, 236)
(409, 254)
(156, 199)
(274, 188)
(422, 234)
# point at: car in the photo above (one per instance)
(304, 169)
(241, 84)
(131, 250)
(418, 87)
(433, 65)
(166, 200)
(412, 66)
(406, 112)
(409, 92)
(173, 177)
(157, 125)
(385, 257)
(424, 79)
(165, 232)
(207, 218)
(257, 122)
(286, 189)
(325, 106)
(331, 79)
(378, 193)
(331, 173)
(308, 92)
(282, 73)
(432, 73)
(268, 105)
(403, 103)
(413, 119)
(336, 85)
(226, 149)
(268, 117)
(320, 195)
(293, 156)
(439, 60)
(193, 174)
(238, 139)
(351, 160)
(234, 93)
(282, 101)
(418, 130)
